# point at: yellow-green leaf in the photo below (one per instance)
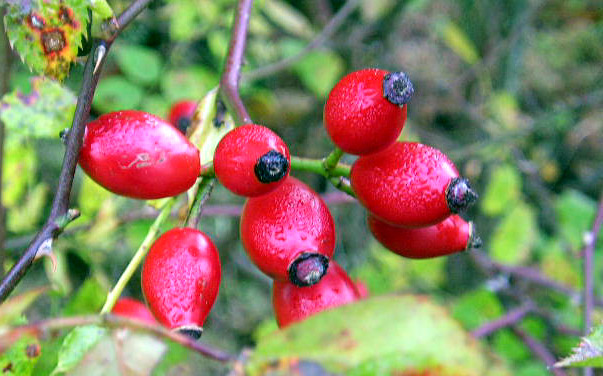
(458, 41)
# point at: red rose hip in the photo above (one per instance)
(181, 114)
(138, 155)
(180, 279)
(134, 309)
(366, 111)
(410, 184)
(289, 233)
(451, 235)
(292, 303)
(251, 160)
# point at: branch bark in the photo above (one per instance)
(229, 83)
(60, 214)
(512, 317)
(539, 350)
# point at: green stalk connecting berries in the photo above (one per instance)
(142, 251)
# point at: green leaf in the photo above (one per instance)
(108, 352)
(21, 358)
(187, 83)
(556, 263)
(375, 9)
(288, 18)
(89, 299)
(503, 107)
(115, 93)
(589, 352)
(509, 346)
(92, 197)
(12, 309)
(575, 213)
(26, 216)
(515, 235)
(503, 190)
(477, 307)
(75, 346)
(319, 71)
(140, 64)
(47, 34)
(19, 171)
(43, 113)
(458, 41)
(379, 336)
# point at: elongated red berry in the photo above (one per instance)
(138, 155)
(251, 160)
(180, 279)
(181, 114)
(451, 235)
(289, 233)
(133, 309)
(410, 184)
(366, 110)
(293, 303)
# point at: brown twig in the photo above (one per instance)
(59, 214)
(589, 265)
(5, 70)
(511, 318)
(327, 32)
(111, 321)
(539, 350)
(229, 83)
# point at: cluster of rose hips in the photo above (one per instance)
(412, 192)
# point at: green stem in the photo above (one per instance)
(138, 257)
(343, 184)
(317, 166)
(204, 189)
(330, 162)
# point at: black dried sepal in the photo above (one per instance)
(192, 331)
(459, 195)
(308, 269)
(183, 123)
(271, 167)
(397, 88)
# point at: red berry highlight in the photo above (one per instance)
(251, 160)
(180, 279)
(410, 184)
(138, 155)
(181, 115)
(292, 303)
(289, 233)
(366, 111)
(450, 236)
(133, 309)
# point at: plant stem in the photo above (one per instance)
(510, 318)
(229, 83)
(136, 260)
(330, 162)
(202, 195)
(317, 166)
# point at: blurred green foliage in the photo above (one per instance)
(511, 91)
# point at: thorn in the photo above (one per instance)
(45, 250)
(99, 54)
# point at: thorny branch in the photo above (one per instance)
(60, 214)
(512, 317)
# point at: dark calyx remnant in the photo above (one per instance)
(193, 332)
(271, 167)
(397, 88)
(183, 123)
(459, 195)
(308, 269)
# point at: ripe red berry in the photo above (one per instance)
(410, 184)
(451, 235)
(289, 233)
(251, 160)
(181, 114)
(134, 309)
(366, 110)
(138, 155)
(292, 303)
(180, 279)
